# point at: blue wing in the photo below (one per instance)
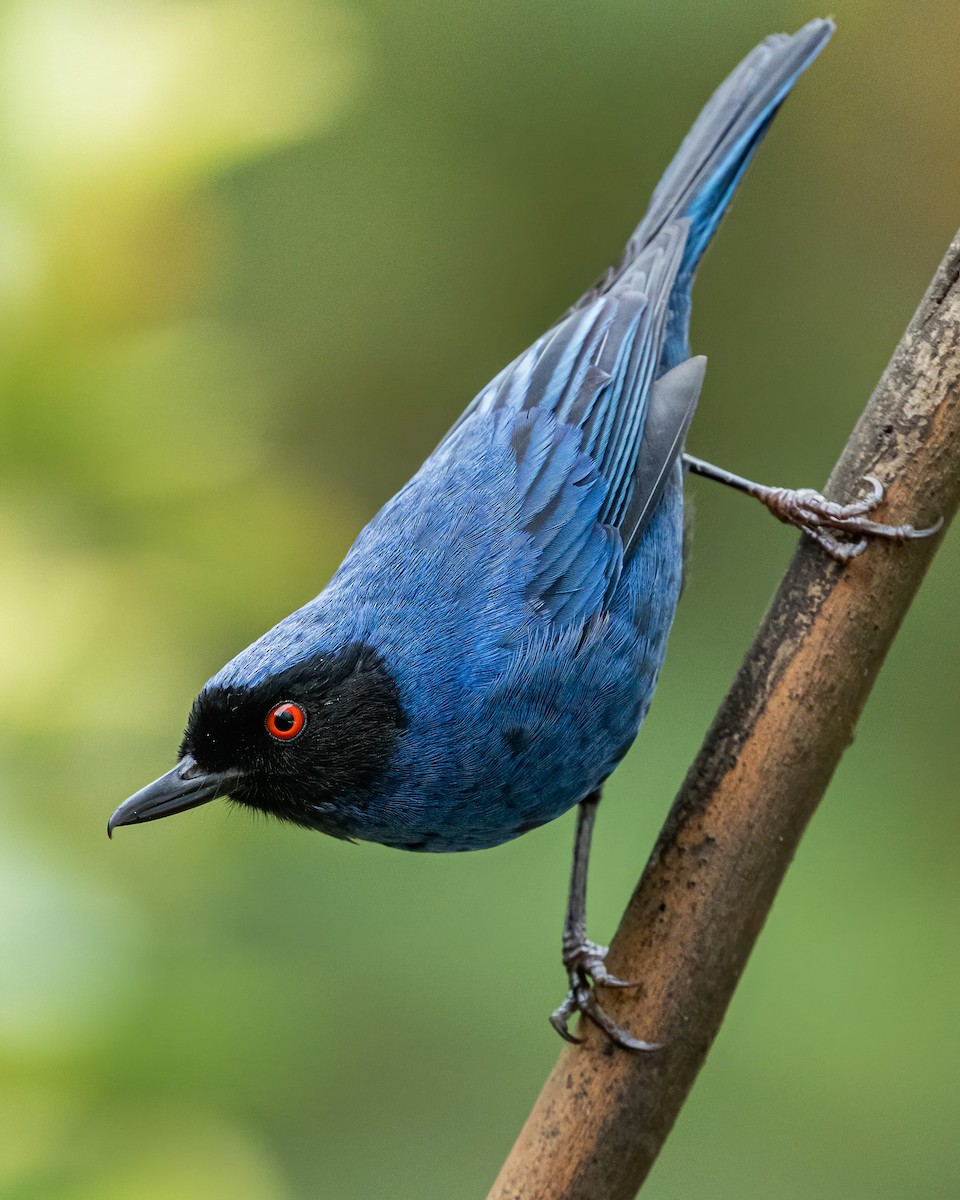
(578, 407)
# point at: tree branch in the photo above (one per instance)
(604, 1113)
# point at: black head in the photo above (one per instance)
(297, 744)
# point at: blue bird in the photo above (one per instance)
(486, 653)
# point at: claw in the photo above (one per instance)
(586, 961)
(823, 519)
(871, 502)
(612, 981)
(581, 999)
(595, 1013)
(559, 1018)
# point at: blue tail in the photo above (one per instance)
(704, 174)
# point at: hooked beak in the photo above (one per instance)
(186, 786)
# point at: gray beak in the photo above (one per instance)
(186, 786)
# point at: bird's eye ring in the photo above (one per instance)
(286, 721)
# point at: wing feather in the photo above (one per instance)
(577, 406)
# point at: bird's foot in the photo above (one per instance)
(831, 525)
(586, 966)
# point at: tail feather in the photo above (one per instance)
(699, 183)
(705, 171)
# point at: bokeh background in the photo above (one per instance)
(255, 256)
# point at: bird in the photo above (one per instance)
(486, 653)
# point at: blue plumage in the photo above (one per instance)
(486, 653)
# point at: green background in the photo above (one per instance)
(255, 256)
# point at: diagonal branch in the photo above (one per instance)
(604, 1113)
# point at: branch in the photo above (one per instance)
(603, 1114)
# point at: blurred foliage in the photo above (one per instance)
(254, 258)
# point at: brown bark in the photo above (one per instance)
(604, 1113)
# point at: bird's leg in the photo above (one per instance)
(822, 519)
(584, 960)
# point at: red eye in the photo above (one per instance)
(286, 721)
